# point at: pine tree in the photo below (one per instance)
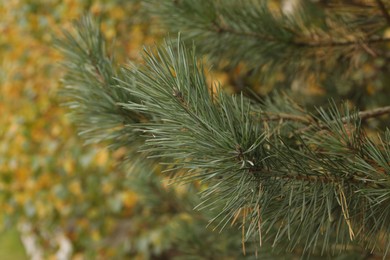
(303, 170)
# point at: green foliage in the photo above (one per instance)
(307, 181)
(164, 218)
(10, 246)
(289, 42)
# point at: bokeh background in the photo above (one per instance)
(52, 186)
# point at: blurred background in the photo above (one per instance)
(55, 193)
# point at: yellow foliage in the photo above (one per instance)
(69, 165)
(371, 90)
(117, 13)
(22, 175)
(8, 209)
(107, 187)
(21, 198)
(44, 181)
(95, 235)
(387, 33)
(101, 157)
(78, 256)
(129, 199)
(42, 208)
(186, 217)
(75, 187)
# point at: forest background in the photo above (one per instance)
(44, 167)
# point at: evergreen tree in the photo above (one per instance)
(292, 173)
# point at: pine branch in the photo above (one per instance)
(299, 191)
(307, 43)
(262, 39)
(91, 87)
(384, 11)
(373, 113)
(269, 116)
(216, 141)
(220, 29)
(325, 178)
(342, 43)
(363, 115)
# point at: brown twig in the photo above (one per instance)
(364, 115)
(309, 44)
(374, 112)
(325, 178)
(384, 11)
(290, 117)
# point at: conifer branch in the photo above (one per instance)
(373, 113)
(325, 178)
(364, 115)
(340, 43)
(224, 29)
(301, 44)
(314, 186)
(284, 116)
